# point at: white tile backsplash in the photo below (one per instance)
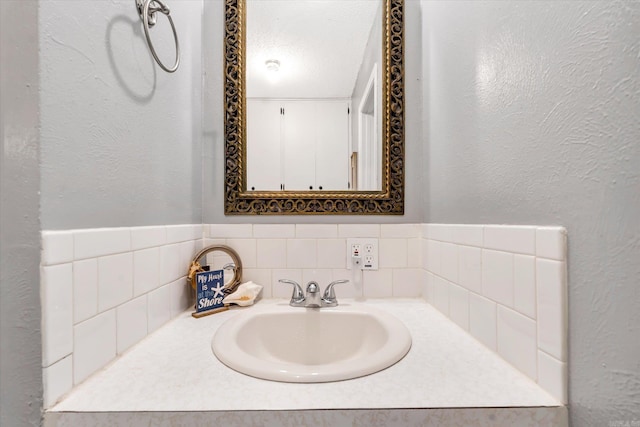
(496, 282)
(392, 253)
(188, 250)
(332, 253)
(94, 344)
(470, 268)
(434, 256)
(95, 285)
(301, 253)
(233, 231)
(148, 237)
(459, 305)
(424, 253)
(552, 307)
(516, 239)
(57, 312)
(516, 336)
(85, 289)
(401, 231)
(274, 231)
(146, 271)
(468, 235)
(483, 320)
(497, 276)
(183, 233)
(271, 253)
(261, 276)
(93, 243)
(170, 266)
(358, 230)
(524, 285)
(246, 249)
(322, 276)
(440, 288)
(115, 280)
(131, 320)
(441, 232)
(57, 379)
(515, 280)
(449, 261)
(552, 376)
(346, 290)
(406, 282)
(159, 307)
(551, 242)
(316, 231)
(57, 247)
(414, 253)
(424, 231)
(379, 283)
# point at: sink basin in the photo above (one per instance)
(283, 343)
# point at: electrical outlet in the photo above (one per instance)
(363, 253)
(356, 249)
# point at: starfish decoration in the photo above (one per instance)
(218, 290)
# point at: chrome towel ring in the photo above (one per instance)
(147, 13)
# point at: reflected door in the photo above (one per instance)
(264, 151)
(332, 146)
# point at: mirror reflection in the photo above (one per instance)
(314, 95)
(218, 260)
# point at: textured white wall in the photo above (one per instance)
(531, 117)
(120, 137)
(20, 349)
(213, 125)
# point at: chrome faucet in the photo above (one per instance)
(313, 295)
(312, 298)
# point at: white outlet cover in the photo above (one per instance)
(368, 253)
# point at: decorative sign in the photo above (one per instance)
(209, 290)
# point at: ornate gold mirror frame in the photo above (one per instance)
(239, 201)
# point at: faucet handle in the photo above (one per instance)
(329, 298)
(297, 298)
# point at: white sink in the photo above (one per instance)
(306, 345)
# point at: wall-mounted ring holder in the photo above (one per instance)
(147, 9)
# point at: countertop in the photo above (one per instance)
(174, 370)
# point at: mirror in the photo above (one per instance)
(217, 257)
(314, 95)
(314, 124)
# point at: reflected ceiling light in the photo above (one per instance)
(272, 64)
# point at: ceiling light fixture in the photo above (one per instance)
(272, 64)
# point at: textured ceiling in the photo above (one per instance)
(319, 44)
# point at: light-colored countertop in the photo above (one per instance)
(174, 371)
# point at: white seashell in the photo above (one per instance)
(246, 294)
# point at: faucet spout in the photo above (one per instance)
(313, 295)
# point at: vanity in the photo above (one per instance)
(447, 378)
